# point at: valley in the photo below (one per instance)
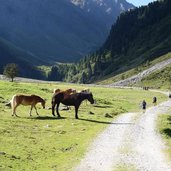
(116, 51)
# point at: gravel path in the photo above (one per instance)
(142, 74)
(131, 140)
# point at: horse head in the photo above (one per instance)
(90, 98)
(43, 103)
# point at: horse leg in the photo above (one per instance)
(53, 108)
(30, 110)
(57, 110)
(14, 106)
(76, 112)
(14, 110)
(36, 110)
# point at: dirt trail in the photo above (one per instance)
(131, 140)
(139, 76)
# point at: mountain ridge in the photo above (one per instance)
(54, 30)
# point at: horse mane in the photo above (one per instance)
(88, 93)
(38, 97)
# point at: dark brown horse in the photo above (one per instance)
(26, 100)
(70, 100)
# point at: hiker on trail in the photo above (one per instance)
(169, 95)
(154, 100)
(144, 104)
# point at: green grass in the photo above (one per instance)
(47, 143)
(164, 127)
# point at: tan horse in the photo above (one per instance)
(68, 91)
(26, 100)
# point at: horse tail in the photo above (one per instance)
(13, 101)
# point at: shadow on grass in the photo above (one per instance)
(48, 118)
(99, 106)
(169, 118)
(104, 122)
(167, 131)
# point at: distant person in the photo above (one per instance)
(144, 104)
(154, 100)
(169, 95)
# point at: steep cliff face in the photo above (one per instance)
(105, 11)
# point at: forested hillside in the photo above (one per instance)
(139, 35)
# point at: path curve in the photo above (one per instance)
(139, 76)
(131, 140)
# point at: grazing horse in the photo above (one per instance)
(26, 100)
(70, 100)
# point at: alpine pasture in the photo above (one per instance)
(46, 142)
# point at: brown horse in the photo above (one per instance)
(70, 100)
(26, 100)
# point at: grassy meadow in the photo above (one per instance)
(48, 143)
(164, 127)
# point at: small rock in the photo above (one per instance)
(61, 132)
(46, 126)
(108, 115)
(15, 157)
(2, 153)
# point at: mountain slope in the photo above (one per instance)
(56, 30)
(139, 35)
(10, 54)
(142, 75)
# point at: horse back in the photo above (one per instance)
(66, 99)
(26, 99)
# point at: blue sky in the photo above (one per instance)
(139, 2)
